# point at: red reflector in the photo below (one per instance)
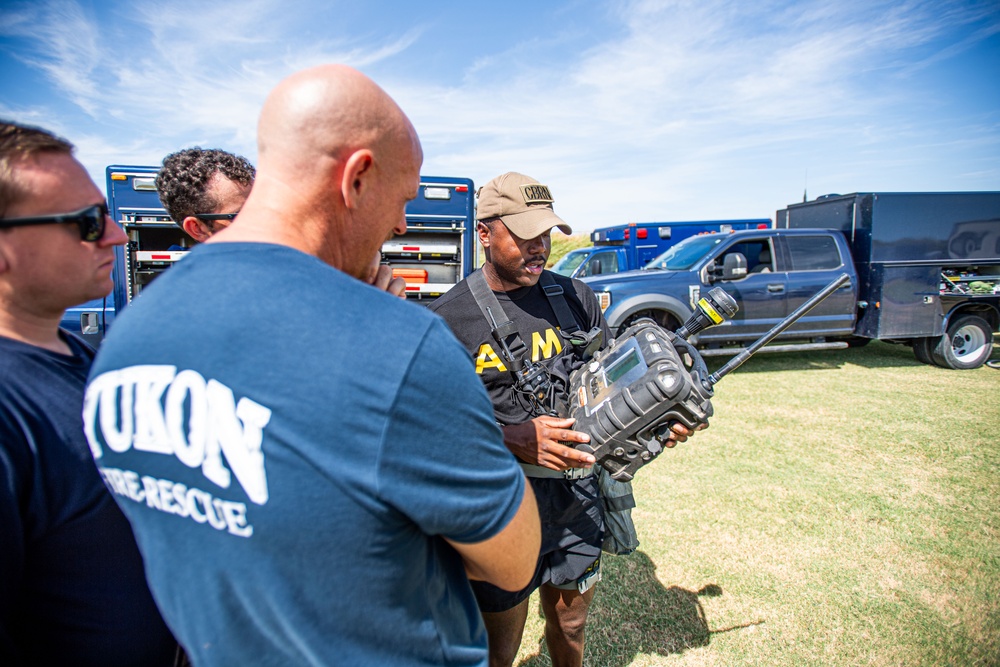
(762, 226)
(159, 256)
(641, 233)
(461, 188)
(411, 248)
(626, 234)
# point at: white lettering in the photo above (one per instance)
(236, 517)
(166, 496)
(188, 444)
(157, 410)
(150, 430)
(117, 436)
(180, 498)
(152, 493)
(171, 497)
(132, 485)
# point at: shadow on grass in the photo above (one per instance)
(634, 613)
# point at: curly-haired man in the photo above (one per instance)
(204, 189)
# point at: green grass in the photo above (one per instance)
(562, 244)
(842, 509)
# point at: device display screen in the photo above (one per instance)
(622, 365)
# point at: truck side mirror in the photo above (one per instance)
(734, 266)
(595, 267)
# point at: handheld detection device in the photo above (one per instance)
(627, 397)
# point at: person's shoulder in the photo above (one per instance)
(573, 286)
(19, 355)
(78, 345)
(449, 299)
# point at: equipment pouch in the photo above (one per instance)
(620, 537)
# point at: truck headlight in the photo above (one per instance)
(604, 298)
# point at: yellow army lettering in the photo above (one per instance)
(541, 348)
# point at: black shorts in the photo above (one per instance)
(572, 533)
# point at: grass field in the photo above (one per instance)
(842, 509)
(562, 244)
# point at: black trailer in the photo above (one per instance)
(928, 265)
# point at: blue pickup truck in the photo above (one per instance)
(632, 246)
(924, 269)
(435, 253)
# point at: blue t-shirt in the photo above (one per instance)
(291, 446)
(72, 587)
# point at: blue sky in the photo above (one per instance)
(630, 111)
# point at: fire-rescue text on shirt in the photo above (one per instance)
(155, 409)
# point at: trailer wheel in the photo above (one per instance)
(923, 349)
(967, 344)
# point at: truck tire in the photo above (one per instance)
(967, 344)
(923, 349)
(661, 317)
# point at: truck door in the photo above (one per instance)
(87, 320)
(760, 292)
(813, 262)
(600, 263)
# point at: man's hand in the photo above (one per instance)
(678, 432)
(540, 441)
(380, 276)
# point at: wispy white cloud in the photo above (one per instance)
(696, 98)
(654, 109)
(63, 44)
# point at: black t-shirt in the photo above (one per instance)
(537, 325)
(72, 586)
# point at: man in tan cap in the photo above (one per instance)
(515, 222)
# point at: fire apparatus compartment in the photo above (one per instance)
(428, 259)
(154, 244)
(432, 255)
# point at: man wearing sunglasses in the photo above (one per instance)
(72, 585)
(203, 189)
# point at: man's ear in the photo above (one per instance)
(358, 170)
(195, 228)
(484, 234)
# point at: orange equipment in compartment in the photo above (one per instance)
(414, 276)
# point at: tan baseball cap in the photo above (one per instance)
(524, 205)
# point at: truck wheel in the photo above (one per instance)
(923, 349)
(663, 318)
(967, 344)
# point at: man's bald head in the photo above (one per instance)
(327, 111)
(337, 162)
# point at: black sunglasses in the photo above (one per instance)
(217, 216)
(90, 220)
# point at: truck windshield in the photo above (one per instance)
(567, 265)
(685, 254)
